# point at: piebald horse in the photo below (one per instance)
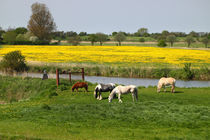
(124, 90)
(103, 88)
(163, 82)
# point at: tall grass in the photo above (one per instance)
(202, 73)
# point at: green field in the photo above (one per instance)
(37, 109)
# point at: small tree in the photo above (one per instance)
(171, 39)
(101, 37)
(9, 37)
(75, 40)
(161, 43)
(14, 61)
(189, 40)
(205, 41)
(119, 37)
(142, 31)
(92, 38)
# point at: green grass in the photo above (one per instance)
(40, 115)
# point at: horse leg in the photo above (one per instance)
(120, 101)
(100, 97)
(133, 96)
(77, 89)
(172, 88)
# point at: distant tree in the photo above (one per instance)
(9, 37)
(114, 33)
(205, 41)
(14, 61)
(142, 31)
(41, 23)
(1, 35)
(20, 30)
(82, 33)
(193, 34)
(119, 37)
(70, 34)
(162, 43)
(189, 39)
(20, 37)
(92, 38)
(101, 37)
(171, 39)
(163, 35)
(74, 40)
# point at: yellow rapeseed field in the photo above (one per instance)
(109, 54)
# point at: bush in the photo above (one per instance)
(14, 61)
(141, 40)
(188, 74)
(161, 43)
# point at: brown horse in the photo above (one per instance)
(80, 85)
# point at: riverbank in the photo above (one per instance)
(153, 72)
(37, 109)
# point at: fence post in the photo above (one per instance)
(70, 76)
(83, 74)
(57, 77)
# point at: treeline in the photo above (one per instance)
(42, 30)
(22, 35)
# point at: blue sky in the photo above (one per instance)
(113, 15)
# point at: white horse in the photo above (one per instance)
(163, 82)
(124, 90)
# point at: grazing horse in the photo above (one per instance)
(103, 88)
(80, 85)
(123, 90)
(163, 82)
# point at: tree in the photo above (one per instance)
(193, 34)
(20, 30)
(161, 43)
(14, 61)
(189, 39)
(171, 39)
(119, 37)
(205, 41)
(41, 23)
(114, 33)
(101, 37)
(74, 40)
(142, 31)
(82, 33)
(92, 38)
(9, 37)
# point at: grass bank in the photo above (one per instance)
(47, 112)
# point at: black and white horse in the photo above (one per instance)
(103, 88)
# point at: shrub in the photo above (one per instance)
(141, 40)
(14, 61)
(188, 74)
(161, 43)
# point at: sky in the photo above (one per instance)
(107, 16)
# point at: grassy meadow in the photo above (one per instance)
(48, 112)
